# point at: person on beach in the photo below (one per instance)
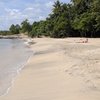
(86, 41)
(83, 41)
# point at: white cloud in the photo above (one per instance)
(18, 10)
(12, 12)
(41, 17)
(29, 8)
(49, 4)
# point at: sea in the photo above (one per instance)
(14, 54)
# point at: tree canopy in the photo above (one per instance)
(80, 18)
(15, 29)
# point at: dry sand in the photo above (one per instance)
(60, 69)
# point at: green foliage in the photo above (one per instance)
(84, 24)
(14, 29)
(98, 23)
(61, 19)
(80, 18)
(25, 26)
(5, 33)
(88, 23)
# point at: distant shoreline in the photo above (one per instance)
(19, 36)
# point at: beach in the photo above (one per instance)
(14, 53)
(59, 69)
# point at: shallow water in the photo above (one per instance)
(13, 55)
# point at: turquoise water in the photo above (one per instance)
(13, 56)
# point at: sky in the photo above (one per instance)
(15, 11)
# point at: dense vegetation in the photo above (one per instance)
(80, 18)
(15, 29)
(5, 32)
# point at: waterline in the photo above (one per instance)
(14, 56)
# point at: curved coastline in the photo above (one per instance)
(57, 71)
(21, 66)
(14, 78)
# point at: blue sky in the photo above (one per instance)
(15, 11)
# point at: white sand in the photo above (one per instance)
(59, 70)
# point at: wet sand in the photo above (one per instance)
(60, 69)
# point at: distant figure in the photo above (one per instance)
(83, 41)
(86, 41)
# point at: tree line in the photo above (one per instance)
(5, 32)
(80, 18)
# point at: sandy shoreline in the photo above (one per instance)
(18, 36)
(60, 69)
